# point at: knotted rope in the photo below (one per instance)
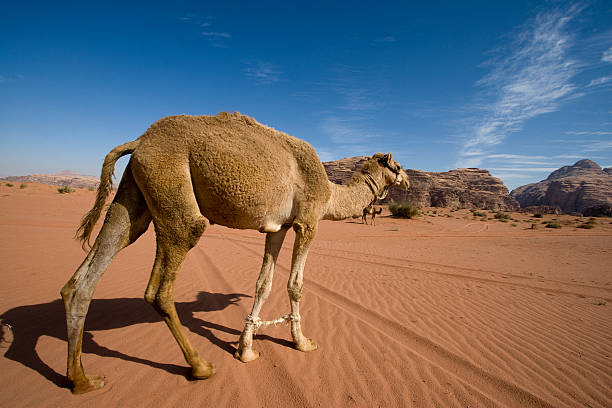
(257, 322)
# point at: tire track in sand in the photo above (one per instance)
(422, 348)
(433, 268)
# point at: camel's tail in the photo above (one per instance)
(106, 184)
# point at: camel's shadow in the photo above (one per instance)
(29, 323)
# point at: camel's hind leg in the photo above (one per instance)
(159, 293)
(304, 234)
(274, 241)
(126, 219)
(178, 227)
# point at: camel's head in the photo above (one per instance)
(394, 173)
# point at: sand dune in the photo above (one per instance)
(442, 311)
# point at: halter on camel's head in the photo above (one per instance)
(401, 178)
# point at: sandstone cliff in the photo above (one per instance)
(583, 188)
(459, 188)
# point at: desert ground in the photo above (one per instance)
(446, 310)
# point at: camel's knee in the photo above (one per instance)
(295, 291)
(163, 303)
(67, 290)
(149, 297)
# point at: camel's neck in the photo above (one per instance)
(348, 201)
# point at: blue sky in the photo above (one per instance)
(517, 87)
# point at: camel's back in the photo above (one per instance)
(239, 164)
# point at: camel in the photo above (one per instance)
(370, 210)
(227, 169)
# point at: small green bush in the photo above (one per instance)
(23, 185)
(65, 189)
(479, 214)
(553, 224)
(404, 209)
(590, 224)
(502, 216)
(9, 184)
(586, 225)
(538, 215)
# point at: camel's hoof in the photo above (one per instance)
(203, 370)
(246, 355)
(93, 382)
(306, 345)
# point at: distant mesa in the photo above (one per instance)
(64, 178)
(459, 188)
(583, 188)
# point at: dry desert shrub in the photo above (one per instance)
(404, 209)
(65, 190)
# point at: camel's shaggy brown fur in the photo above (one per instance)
(230, 170)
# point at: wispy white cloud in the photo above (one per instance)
(346, 131)
(589, 133)
(568, 156)
(518, 159)
(263, 72)
(217, 39)
(358, 99)
(524, 169)
(326, 155)
(534, 78)
(599, 81)
(510, 176)
(597, 146)
(216, 34)
(512, 156)
(10, 79)
(607, 55)
(348, 124)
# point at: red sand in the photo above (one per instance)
(442, 311)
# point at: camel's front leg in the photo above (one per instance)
(274, 241)
(304, 234)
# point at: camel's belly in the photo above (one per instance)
(268, 217)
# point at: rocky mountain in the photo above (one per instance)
(64, 178)
(459, 188)
(583, 187)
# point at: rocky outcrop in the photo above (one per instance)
(340, 171)
(64, 178)
(583, 188)
(459, 188)
(542, 209)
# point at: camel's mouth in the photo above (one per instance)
(402, 181)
